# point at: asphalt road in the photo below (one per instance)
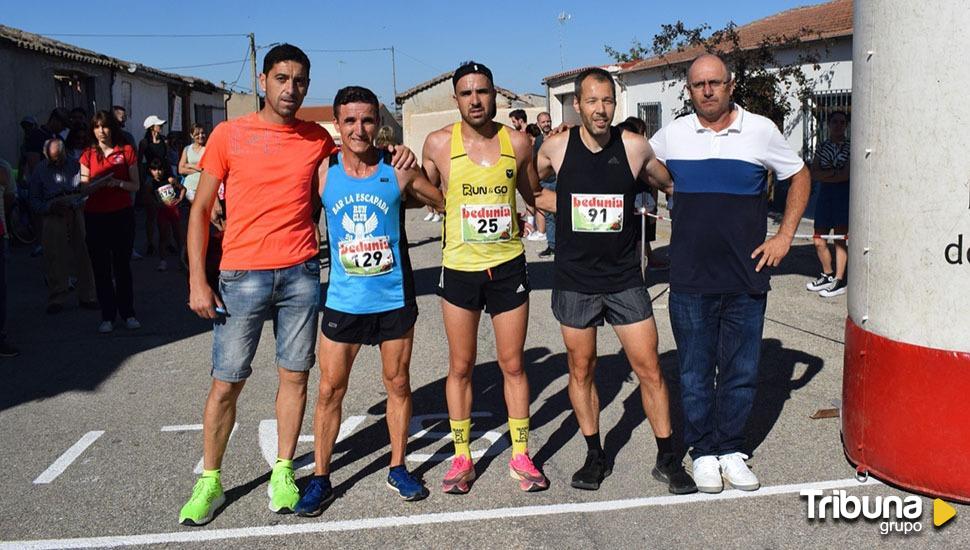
(144, 390)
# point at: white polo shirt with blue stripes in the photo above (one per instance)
(720, 201)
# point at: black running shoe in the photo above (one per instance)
(549, 251)
(593, 471)
(670, 470)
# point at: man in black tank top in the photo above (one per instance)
(599, 171)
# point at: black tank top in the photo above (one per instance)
(597, 233)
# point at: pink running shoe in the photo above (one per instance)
(457, 479)
(530, 478)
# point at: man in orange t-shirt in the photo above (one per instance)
(267, 162)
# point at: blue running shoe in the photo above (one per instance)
(405, 484)
(317, 495)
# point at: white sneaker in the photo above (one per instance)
(105, 327)
(737, 473)
(838, 288)
(135, 255)
(132, 324)
(707, 474)
(429, 216)
(436, 217)
(536, 236)
(824, 282)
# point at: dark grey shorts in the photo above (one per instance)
(579, 310)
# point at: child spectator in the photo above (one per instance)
(167, 193)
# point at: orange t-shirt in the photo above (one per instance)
(267, 170)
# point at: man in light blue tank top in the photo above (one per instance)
(370, 298)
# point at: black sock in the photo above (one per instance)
(665, 446)
(593, 442)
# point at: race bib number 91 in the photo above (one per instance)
(366, 257)
(486, 223)
(597, 213)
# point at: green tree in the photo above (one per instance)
(762, 83)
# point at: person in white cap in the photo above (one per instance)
(152, 146)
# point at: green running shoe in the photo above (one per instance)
(207, 497)
(283, 492)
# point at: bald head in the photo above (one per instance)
(710, 86)
(55, 150)
(708, 63)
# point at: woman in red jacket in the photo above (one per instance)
(111, 166)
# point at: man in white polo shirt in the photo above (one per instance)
(719, 158)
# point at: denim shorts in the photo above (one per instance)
(289, 296)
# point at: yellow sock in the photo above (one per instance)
(461, 432)
(519, 430)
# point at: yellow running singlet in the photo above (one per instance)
(481, 228)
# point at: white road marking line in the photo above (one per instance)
(182, 428)
(417, 430)
(69, 456)
(268, 440)
(421, 519)
(201, 463)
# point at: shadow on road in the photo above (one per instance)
(776, 382)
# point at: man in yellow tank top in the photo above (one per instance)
(481, 164)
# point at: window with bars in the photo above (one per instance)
(203, 116)
(650, 114)
(815, 114)
(74, 90)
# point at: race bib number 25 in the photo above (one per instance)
(486, 223)
(366, 257)
(596, 213)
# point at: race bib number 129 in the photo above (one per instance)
(486, 223)
(366, 257)
(596, 213)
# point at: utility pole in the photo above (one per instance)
(563, 18)
(394, 80)
(252, 52)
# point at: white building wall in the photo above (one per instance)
(652, 85)
(216, 100)
(141, 97)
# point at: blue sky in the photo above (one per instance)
(521, 41)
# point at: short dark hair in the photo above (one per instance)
(59, 114)
(285, 52)
(471, 67)
(836, 113)
(118, 108)
(519, 114)
(79, 110)
(533, 130)
(596, 73)
(157, 164)
(355, 94)
(635, 125)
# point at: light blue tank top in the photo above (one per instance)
(370, 270)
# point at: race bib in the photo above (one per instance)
(597, 213)
(486, 223)
(167, 194)
(366, 257)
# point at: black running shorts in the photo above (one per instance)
(496, 290)
(369, 328)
